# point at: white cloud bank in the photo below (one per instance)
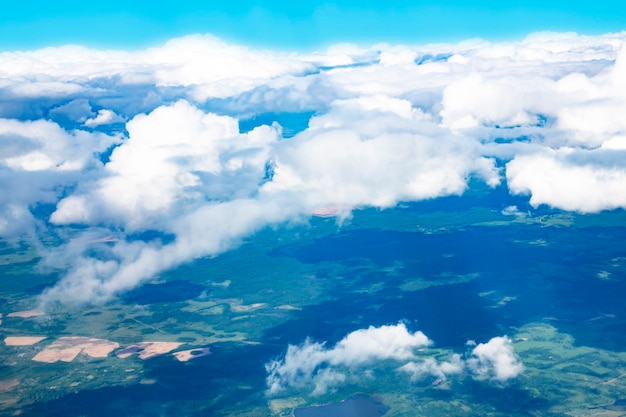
(194, 175)
(390, 124)
(571, 179)
(318, 369)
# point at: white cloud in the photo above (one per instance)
(385, 342)
(512, 211)
(208, 230)
(162, 165)
(37, 89)
(205, 60)
(179, 161)
(315, 368)
(15, 219)
(104, 117)
(376, 151)
(577, 180)
(616, 142)
(429, 367)
(323, 368)
(76, 110)
(496, 358)
(38, 161)
(44, 146)
(505, 101)
(326, 380)
(206, 65)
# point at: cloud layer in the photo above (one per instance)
(122, 143)
(313, 367)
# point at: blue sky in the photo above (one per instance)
(295, 25)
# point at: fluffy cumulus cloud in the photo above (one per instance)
(315, 368)
(313, 364)
(174, 157)
(495, 358)
(150, 141)
(37, 160)
(581, 180)
(104, 117)
(376, 151)
(41, 145)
